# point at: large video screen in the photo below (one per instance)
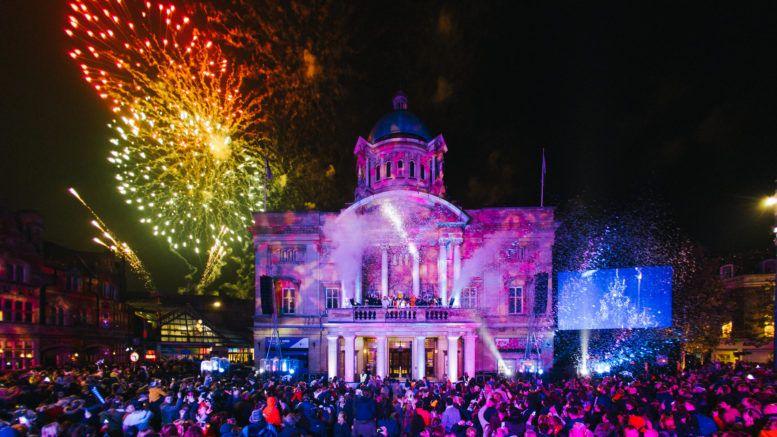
(634, 297)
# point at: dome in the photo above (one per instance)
(399, 123)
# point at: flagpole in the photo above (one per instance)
(542, 180)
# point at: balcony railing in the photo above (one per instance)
(401, 315)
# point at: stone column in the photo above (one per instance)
(453, 357)
(344, 295)
(420, 357)
(442, 270)
(469, 354)
(331, 355)
(383, 271)
(357, 286)
(381, 357)
(413, 354)
(349, 357)
(416, 274)
(456, 271)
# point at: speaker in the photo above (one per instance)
(540, 293)
(266, 294)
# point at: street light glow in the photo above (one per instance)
(770, 201)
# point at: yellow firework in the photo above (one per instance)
(110, 242)
(186, 152)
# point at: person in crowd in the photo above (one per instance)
(161, 399)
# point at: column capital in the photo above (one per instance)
(452, 337)
(456, 241)
(332, 337)
(349, 336)
(420, 337)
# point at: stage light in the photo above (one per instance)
(291, 371)
(540, 372)
(261, 370)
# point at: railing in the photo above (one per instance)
(401, 315)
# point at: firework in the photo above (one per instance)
(110, 242)
(186, 152)
(216, 255)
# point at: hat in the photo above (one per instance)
(256, 416)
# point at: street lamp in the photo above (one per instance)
(771, 202)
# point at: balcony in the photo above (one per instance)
(401, 315)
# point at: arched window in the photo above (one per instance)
(400, 169)
(412, 169)
(423, 172)
(388, 169)
(377, 172)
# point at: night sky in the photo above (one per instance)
(673, 102)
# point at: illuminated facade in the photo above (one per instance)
(57, 305)
(748, 335)
(403, 283)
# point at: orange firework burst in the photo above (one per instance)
(186, 152)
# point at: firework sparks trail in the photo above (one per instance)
(215, 260)
(186, 152)
(118, 247)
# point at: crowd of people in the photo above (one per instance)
(168, 400)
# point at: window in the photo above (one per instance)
(28, 312)
(16, 354)
(332, 298)
(515, 300)
(8, 310)
(412, 169)
(469, 297)
(768, 329)
(288, 255)
(388, 169)
(377, 173)
(289, 302)
(18, 311)
(423, 172)
(400, 167)
(725, 330)
(14, 272)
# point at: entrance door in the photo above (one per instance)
(400, 364)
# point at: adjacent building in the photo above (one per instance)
(403, 282)
(57, 305)
(748, 335)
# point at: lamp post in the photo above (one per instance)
(771, 202)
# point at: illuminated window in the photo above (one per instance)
(412, 169)
(388, 169)
(769, 330)
(515, 300)
(183, 328)
(332, 298)
(16, 354)
(289, 301)
(469, 297)
(725, 330)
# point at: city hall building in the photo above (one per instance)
(403, 283)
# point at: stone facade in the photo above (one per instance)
(58, 306)
(402, 282)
